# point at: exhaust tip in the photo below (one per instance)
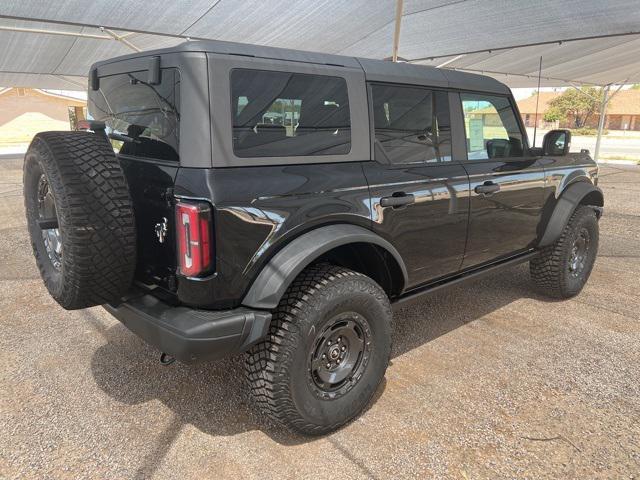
(166, 359)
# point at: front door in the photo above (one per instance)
(419, 196)
(505, 183)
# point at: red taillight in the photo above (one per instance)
(193, 231)
(83, 125)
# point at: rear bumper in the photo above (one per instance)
(191, 335)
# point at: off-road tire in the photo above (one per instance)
(277, 368)
(550, 270)
(94, 213)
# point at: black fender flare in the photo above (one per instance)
(570, 198)
(275, 277)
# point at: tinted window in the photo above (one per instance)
(146, 117)
(411, 124)
(491, 127)
(282, 114)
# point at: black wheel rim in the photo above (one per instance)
(579, 253)
(340, 355)
(48, 223)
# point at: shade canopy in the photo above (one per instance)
(53, 44)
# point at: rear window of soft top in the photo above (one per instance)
(144, 118)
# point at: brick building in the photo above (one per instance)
(623, 112)
(25, 112)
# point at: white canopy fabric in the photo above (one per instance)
(51, 44)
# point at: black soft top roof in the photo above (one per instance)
(375, 70)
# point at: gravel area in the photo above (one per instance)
(488, 380)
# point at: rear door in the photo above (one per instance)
(506, 183)
(419, 195)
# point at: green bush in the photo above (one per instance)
(552, 116)
(587, 131)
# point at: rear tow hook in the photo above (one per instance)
(166, 359)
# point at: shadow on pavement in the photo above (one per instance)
(445, 310)
(213, 397)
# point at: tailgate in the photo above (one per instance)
(150, 186)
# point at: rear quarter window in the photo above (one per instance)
(143, 119)
(283, 114)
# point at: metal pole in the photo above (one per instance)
(53, 32)
(498, 49)
(121, 39)
(535, 118)
(396, 32)
(451, 60)
(603, 111)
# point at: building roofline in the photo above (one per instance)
(44, 92)
(58, 95)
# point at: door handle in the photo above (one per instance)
(487, 188)
(398, 199)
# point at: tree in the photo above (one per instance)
(635, 86)
(574, 104)
(552, 115)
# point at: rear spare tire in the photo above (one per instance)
(80, 218)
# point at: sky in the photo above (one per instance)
(520, 93)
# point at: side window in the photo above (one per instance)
(411, 124)
(491, 127)
(283, 114)
(146, 117)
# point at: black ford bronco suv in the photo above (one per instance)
(279, 202)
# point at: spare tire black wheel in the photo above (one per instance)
(80, 218)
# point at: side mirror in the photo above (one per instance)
(557, 142)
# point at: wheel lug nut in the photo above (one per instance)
(328, 342)
(339, 339)
(328, 365)
(344, 348)
(338, 361)
(324, 357)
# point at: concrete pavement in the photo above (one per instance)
(488, 380)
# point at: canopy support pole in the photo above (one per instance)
(396, 32)
(603, 111)
(451, 60)
(535, 117)
(53, 32)
(120, 38)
